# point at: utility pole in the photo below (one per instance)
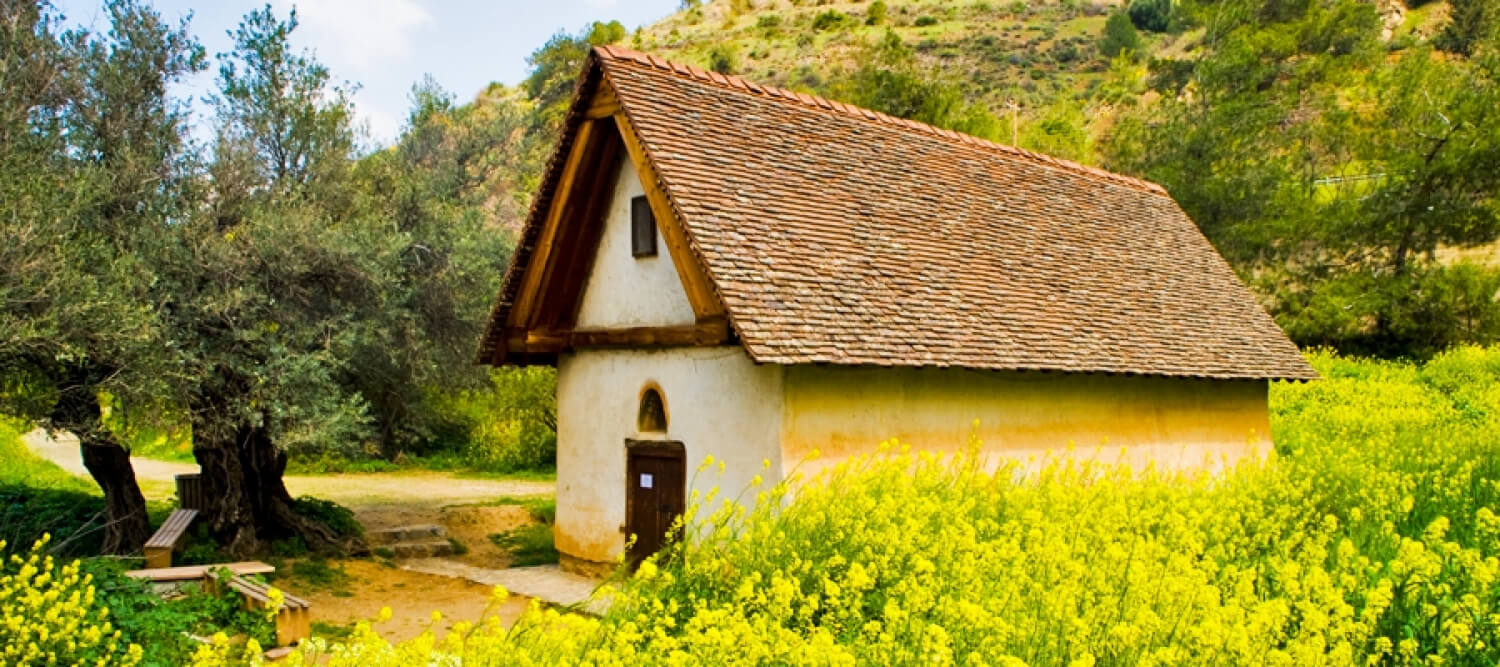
(1015, 123)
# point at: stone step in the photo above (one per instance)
(425, 549)
(417, 533)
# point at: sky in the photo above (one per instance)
(385, 46)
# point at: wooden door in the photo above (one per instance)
(654, 495)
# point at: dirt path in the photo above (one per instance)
(416, 490)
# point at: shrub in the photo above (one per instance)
(876, 14)
(924, 21)
(1150, 15)
(829, 20)
(509, 426)
(160, 626)
(721, 59)
(1119, 37)
(337, 517)
(50, 613)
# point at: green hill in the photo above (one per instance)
(1042, 56)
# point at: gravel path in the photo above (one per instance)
(416, 488)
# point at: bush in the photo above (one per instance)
(1120, 37)
(338, 518)
(924, 21)
(50, 613)
(876, 14)
(509, 426)
(1151, 15)
(832, 19)
(721, 59)
(160, 626)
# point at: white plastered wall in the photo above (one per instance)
(627, 291)
(718, 403)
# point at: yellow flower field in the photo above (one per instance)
(1371, 538)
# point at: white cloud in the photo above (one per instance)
(358, 34)
(382, 125)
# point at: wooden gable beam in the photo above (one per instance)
(700, 291)
(581, 229)
(521, 313)
(605, 104)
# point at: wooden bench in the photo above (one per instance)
(167, 538)
(293, 620)
(195, 572)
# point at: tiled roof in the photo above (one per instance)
(838, 235)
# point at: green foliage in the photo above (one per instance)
(722, 59)
(924, 21)
(1150, 15)
(1347, 173)
(1060, 130)
(1473, 23)
(890, 81)
(335, 516)
(555, 67)
(531, 544)
(876, 13)
(38, 498)
(1120, 37)
(831, 19)
(160, 626)
(316, 572)
(510, 425)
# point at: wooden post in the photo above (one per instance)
(1015, 122)
(190, 492)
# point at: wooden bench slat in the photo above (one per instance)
(172, 529)
(191, 572)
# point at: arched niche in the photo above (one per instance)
(652, 416)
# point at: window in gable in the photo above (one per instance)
(642, 228)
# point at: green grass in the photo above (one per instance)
(18, 465)
(38, 498)
(530, 544)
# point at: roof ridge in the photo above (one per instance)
(736, 83)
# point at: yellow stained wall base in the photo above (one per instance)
(1175, 423)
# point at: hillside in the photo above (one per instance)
(1044, 55)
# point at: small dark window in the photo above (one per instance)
(642, 228)
(653, 415)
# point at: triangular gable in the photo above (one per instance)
(538, 315)
(625, 291)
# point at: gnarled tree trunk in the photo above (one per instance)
(126, 525)
(248, 504)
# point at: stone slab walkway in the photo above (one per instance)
(547, 583)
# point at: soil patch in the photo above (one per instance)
(412, 597)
